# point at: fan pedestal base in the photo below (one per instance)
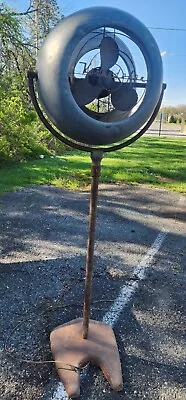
(100, 348)
(81, 341)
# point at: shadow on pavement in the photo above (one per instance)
(43, 242)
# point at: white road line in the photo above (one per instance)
(125, 295)
(127, 291)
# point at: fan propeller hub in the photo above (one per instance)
(97, 76)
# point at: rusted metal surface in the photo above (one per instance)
(84, 341)
(96, 157)
(68, 347)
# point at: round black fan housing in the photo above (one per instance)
(88, 82)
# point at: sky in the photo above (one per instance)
(153, 13)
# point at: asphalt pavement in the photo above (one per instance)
(138, 286)
(166, 129)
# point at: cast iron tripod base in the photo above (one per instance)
(100, 348)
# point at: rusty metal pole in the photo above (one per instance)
(96, 157)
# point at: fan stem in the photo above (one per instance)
(96, 157)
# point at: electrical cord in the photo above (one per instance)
(13, 354)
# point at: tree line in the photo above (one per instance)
(174, 114)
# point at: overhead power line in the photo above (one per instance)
(168, 29)
(172, 54)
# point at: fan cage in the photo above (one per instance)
(101, 108)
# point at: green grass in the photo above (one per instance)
(159, 162)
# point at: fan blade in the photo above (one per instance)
(109, 52)
(125, 98)
(84, 92)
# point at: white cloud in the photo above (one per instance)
(163, 53)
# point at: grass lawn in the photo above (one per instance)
(159, 162)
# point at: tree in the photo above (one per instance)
(45, 17)
(22, 135)
(177, 112)
(15, 48)
(172, 119)
(21, 34)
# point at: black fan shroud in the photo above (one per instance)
(65, 97)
